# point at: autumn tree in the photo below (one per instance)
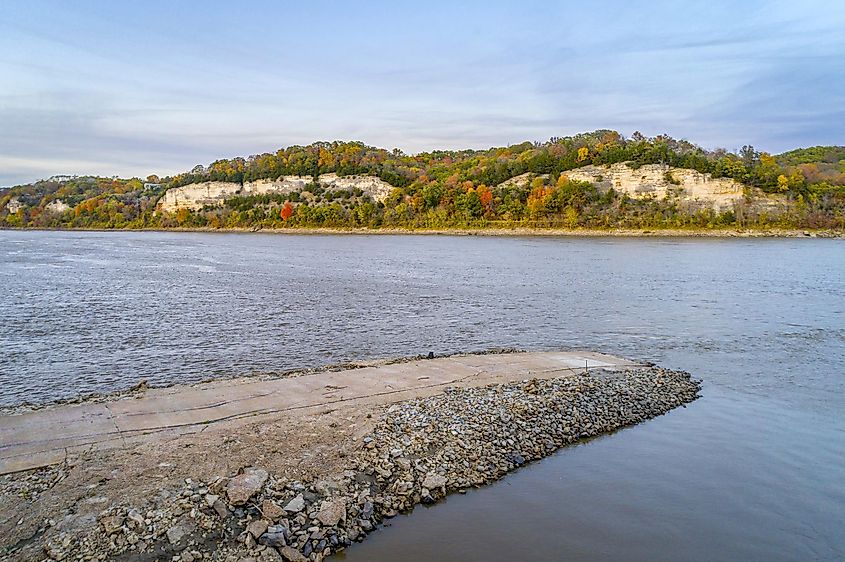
(287, 211)
(485, 195)
(583, 152)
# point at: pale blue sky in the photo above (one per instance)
(133, 88)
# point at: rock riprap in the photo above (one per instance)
(418, 451)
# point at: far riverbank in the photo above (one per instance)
(494, 232)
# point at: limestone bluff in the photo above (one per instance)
(652, 181)
(195, 196)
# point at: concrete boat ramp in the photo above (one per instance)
(51, 435)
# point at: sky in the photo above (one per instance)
(136, 88)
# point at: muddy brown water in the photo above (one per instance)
(752, 471)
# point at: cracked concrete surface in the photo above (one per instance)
(49, 436)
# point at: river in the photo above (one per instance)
(753, 470)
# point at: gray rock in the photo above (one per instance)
(182, 529)
(276, 536)
(295, 505)
(245, 485)
(433, 481)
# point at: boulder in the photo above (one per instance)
(434, 481)
(245, 485)
(292, 555)
(332, 512)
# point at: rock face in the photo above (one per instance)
(195, 196)
(653, 180)
(56, 206)
(657, 181)
(14, 205)
(257, 527)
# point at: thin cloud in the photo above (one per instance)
(78, 96)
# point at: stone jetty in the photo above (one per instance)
(302, 484)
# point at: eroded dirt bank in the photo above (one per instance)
(308, 483)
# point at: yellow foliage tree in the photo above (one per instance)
(536, 203)
(583, 152)
(570, 217)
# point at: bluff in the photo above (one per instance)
(195, 196)
(656, 181)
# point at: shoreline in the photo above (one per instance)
(491, 232)
(303, 484)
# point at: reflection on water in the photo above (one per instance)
(753, 470)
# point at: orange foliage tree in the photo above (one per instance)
(287, 210)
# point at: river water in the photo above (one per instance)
(754, 470)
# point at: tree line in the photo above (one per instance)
(463, 189)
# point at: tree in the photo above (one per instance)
(287, 211)
(583, 152)
(570, 217)
(749, 156)
(485, 195)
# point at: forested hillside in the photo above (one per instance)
(457, 189)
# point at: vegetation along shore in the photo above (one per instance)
(593, 183)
